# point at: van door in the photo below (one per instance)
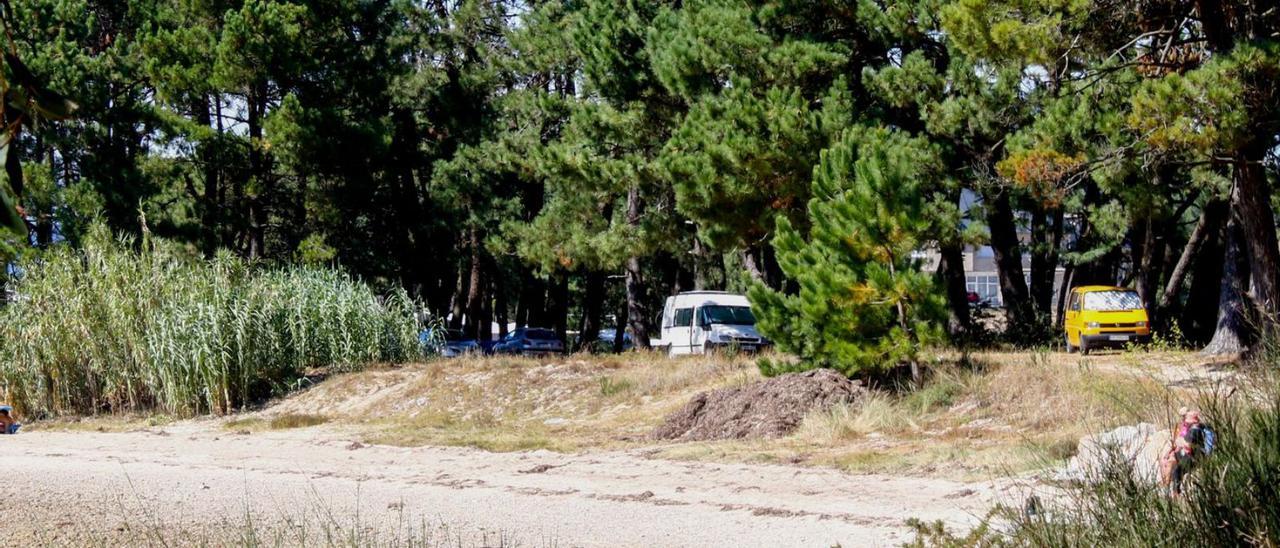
(681, 331)
(1071, 320)
(698, 333)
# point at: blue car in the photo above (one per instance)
(606, 337)
(530, 341)
(448, 343)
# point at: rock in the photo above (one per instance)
(765, 409)
(1138, 447)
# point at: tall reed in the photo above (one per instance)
(108, 328)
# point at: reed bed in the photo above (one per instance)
(117, 327)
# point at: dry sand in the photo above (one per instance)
(197, 483)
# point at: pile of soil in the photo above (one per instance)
(765, 409)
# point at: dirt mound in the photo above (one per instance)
(1138, 447)
(768, 408)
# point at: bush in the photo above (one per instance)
(108, 328)
(1231, 498)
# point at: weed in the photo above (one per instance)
(610, 386)
(108, 328)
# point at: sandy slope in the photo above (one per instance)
(195, 482)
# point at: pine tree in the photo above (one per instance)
(863, 304)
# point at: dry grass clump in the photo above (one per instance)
(1041, 394)
(877, 412)
(283, 421)
(506, 403)
(1002, 413)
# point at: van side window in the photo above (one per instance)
(1075, 302)
(684, 317)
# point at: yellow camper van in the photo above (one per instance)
(1100, 316)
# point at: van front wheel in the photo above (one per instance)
(1070, 348)
(1084, 347)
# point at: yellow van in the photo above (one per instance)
(1098, 316)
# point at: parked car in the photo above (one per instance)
(449, 343)
(1100, 316)
(530, 341)
(696, 322)
(606, 337)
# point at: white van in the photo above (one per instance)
(697, 321)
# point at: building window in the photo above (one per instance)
(986, 286)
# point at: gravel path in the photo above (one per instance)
(195, 483)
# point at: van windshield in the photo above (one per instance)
(730, 315)
(1112, 300)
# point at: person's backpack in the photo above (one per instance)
(1209, 439)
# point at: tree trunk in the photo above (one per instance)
(1147, 272)
(500, 309)
(636, 312)
(1205, 287)
(1251, 201)
(210, 202)
(592, 299)
(1231, 334)
(951, 270)
(1046, 238)
(457, 303)
(620, 330)
(753, 263)
(1008, 258)
(475, 284)
(257, 173)
(532, 305)
(1210, 223)
(558, 305)
(484, 322)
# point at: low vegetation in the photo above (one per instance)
(985, 416)
(1229, 499)
(113, 328)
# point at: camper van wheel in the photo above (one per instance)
(1070, 349)
(1084, 347)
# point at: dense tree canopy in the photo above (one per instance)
(570, 163)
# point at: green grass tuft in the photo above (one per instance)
(112, 329)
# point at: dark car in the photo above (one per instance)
(449, 343)
(530, 341)
(607, 336)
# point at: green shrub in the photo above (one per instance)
(108, 328)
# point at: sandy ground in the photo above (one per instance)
(197, 483)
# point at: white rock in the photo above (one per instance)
(1140, 446)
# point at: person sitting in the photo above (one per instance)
(7, 422)
(1188, 448)
(1170, 458)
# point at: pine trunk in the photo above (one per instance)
(475, 283)
(636, 313)
(592, 299)
(951, 270)
(1251, 201)
(1210, 223)
(1008, 256)
(1231, 335)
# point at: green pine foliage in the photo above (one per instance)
(110, 329)
(863, 305)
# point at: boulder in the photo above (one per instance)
(1138, 447)
(765, 409)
